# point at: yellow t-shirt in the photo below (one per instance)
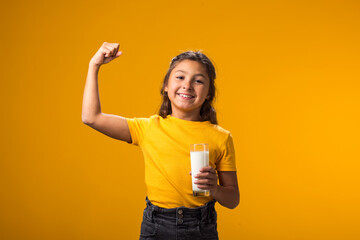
(165, 143)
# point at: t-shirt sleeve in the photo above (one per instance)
(227, 160)
(137, 127)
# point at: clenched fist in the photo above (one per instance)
(106, 53)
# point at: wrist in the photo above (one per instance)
(94, 65)
(215, 192)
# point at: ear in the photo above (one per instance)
(166, 89)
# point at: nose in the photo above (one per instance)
(187, 85)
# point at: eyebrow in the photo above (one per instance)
(198, 74)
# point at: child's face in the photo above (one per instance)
(188, 87)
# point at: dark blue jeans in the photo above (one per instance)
(179, 223)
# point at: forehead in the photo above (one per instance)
(190, 67)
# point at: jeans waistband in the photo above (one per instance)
(205, 213)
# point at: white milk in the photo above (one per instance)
(198, 161)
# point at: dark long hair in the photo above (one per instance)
(207, 111)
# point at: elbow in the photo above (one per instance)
(236, 201)
(234, 205)
(231, 199)
(89, 119)
(86, 121)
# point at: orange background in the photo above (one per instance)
(288, 90)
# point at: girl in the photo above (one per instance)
(186, 117)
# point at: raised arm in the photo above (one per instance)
(108, 124)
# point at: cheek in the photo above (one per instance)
(205, 91)
(172, 88)
(171, 92)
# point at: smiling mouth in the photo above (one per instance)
(185, 96)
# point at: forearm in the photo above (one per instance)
(91, 100)
(227, 196)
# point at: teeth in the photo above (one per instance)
(186, 96)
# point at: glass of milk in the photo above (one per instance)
(199, 156)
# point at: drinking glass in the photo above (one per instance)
(199, 157)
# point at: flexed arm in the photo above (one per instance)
(108, 124)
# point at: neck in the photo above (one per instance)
(187, 116)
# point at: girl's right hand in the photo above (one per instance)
(106, 53)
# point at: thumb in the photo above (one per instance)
(190, 173)
(118, 54)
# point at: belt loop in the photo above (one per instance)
(147, 201)
(150, 209)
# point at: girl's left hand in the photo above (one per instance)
(207, 180)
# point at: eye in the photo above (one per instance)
(199, 81)
(180, 77)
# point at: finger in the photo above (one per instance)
(201, 175)
(110, 44)
(110, 50)
(115, 46)
(206, 173)
(118, 53)
(105, 52)
(204, 169)
(205, 182)
(207, 169)
(206, 176)
(205, 187)
(113, 52)
(104, 47)
(113, 43)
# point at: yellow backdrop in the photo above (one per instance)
(288, 90)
